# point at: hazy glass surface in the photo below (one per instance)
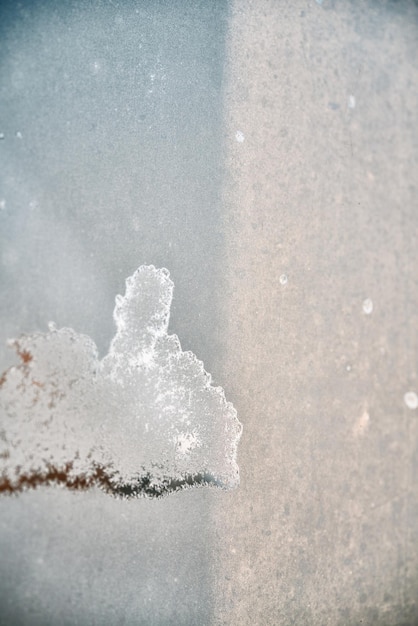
(266, 153)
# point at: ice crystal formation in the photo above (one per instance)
(144, 420)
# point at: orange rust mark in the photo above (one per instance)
(60, 476)
(25, 355)
(100, 476)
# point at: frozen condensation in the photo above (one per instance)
(283, 279)
(367, 306)
(239, 136)
(143, 420)
(411, 400)
(351, 102)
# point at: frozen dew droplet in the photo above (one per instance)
(144, 420)
(367, 306)
(411, 400)
(1, 135)
(351, 102)
(239, 136)
(2, 204)
(283, 279)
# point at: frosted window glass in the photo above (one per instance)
(143, 420)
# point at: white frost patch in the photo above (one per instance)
(411, 400)
(239, 136)
(367, 306)
(351, 102)
(144, 419)
(186, 442)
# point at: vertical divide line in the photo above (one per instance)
(237, 340)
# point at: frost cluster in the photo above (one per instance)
(143, 420)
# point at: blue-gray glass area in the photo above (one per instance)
(110, 157)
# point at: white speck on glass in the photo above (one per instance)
(411, 400)
(351, 102)
(367, 306)
(283, 279)
(239, 136)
